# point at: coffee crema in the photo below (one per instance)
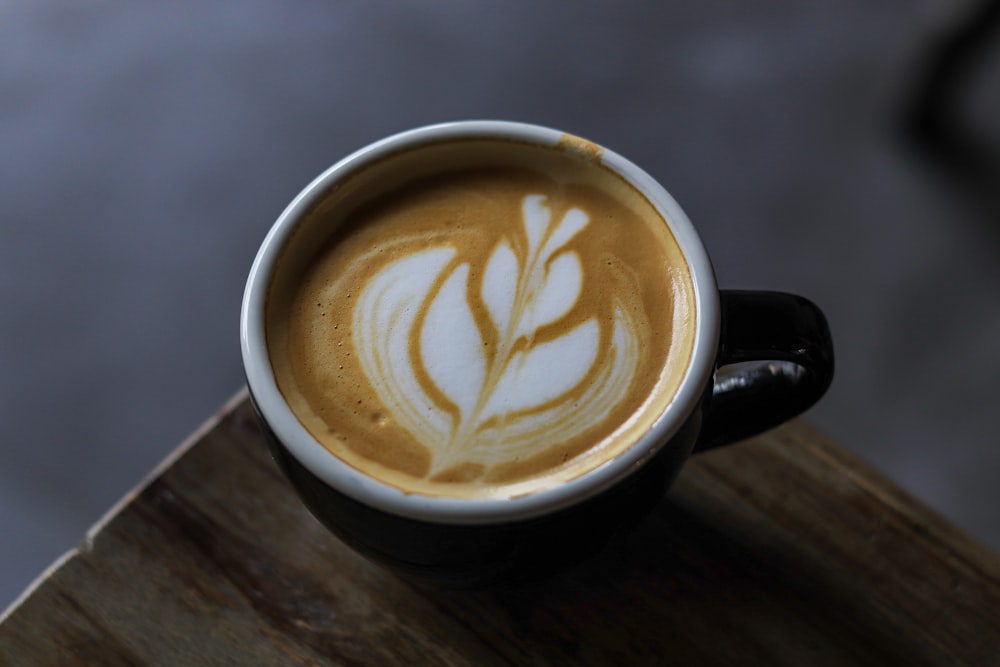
(488, 330)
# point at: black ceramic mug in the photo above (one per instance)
(500, 530)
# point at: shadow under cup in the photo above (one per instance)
(482, 540)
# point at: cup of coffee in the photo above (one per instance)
(481, 348)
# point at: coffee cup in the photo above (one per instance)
(479, 349)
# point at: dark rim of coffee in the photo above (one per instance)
(355, 484)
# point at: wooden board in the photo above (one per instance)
(782, 550)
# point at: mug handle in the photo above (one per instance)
(791, 335)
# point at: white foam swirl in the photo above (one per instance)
(496, 407)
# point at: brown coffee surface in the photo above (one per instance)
(486, 331)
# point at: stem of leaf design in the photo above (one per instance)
(537, 301)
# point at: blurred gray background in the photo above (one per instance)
(146, 148)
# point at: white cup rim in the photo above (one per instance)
(369, 491)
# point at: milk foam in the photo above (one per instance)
(505, 402)
(484, 331)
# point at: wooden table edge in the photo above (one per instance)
(234, 402)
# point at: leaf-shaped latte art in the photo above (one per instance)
(559, 288)
(384, 315)
(432, 365)
(529, 379)
(500, 286)
(451, 346)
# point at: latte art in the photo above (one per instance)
(498, 389)
(486, 330)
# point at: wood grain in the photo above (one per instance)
(782, 550)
